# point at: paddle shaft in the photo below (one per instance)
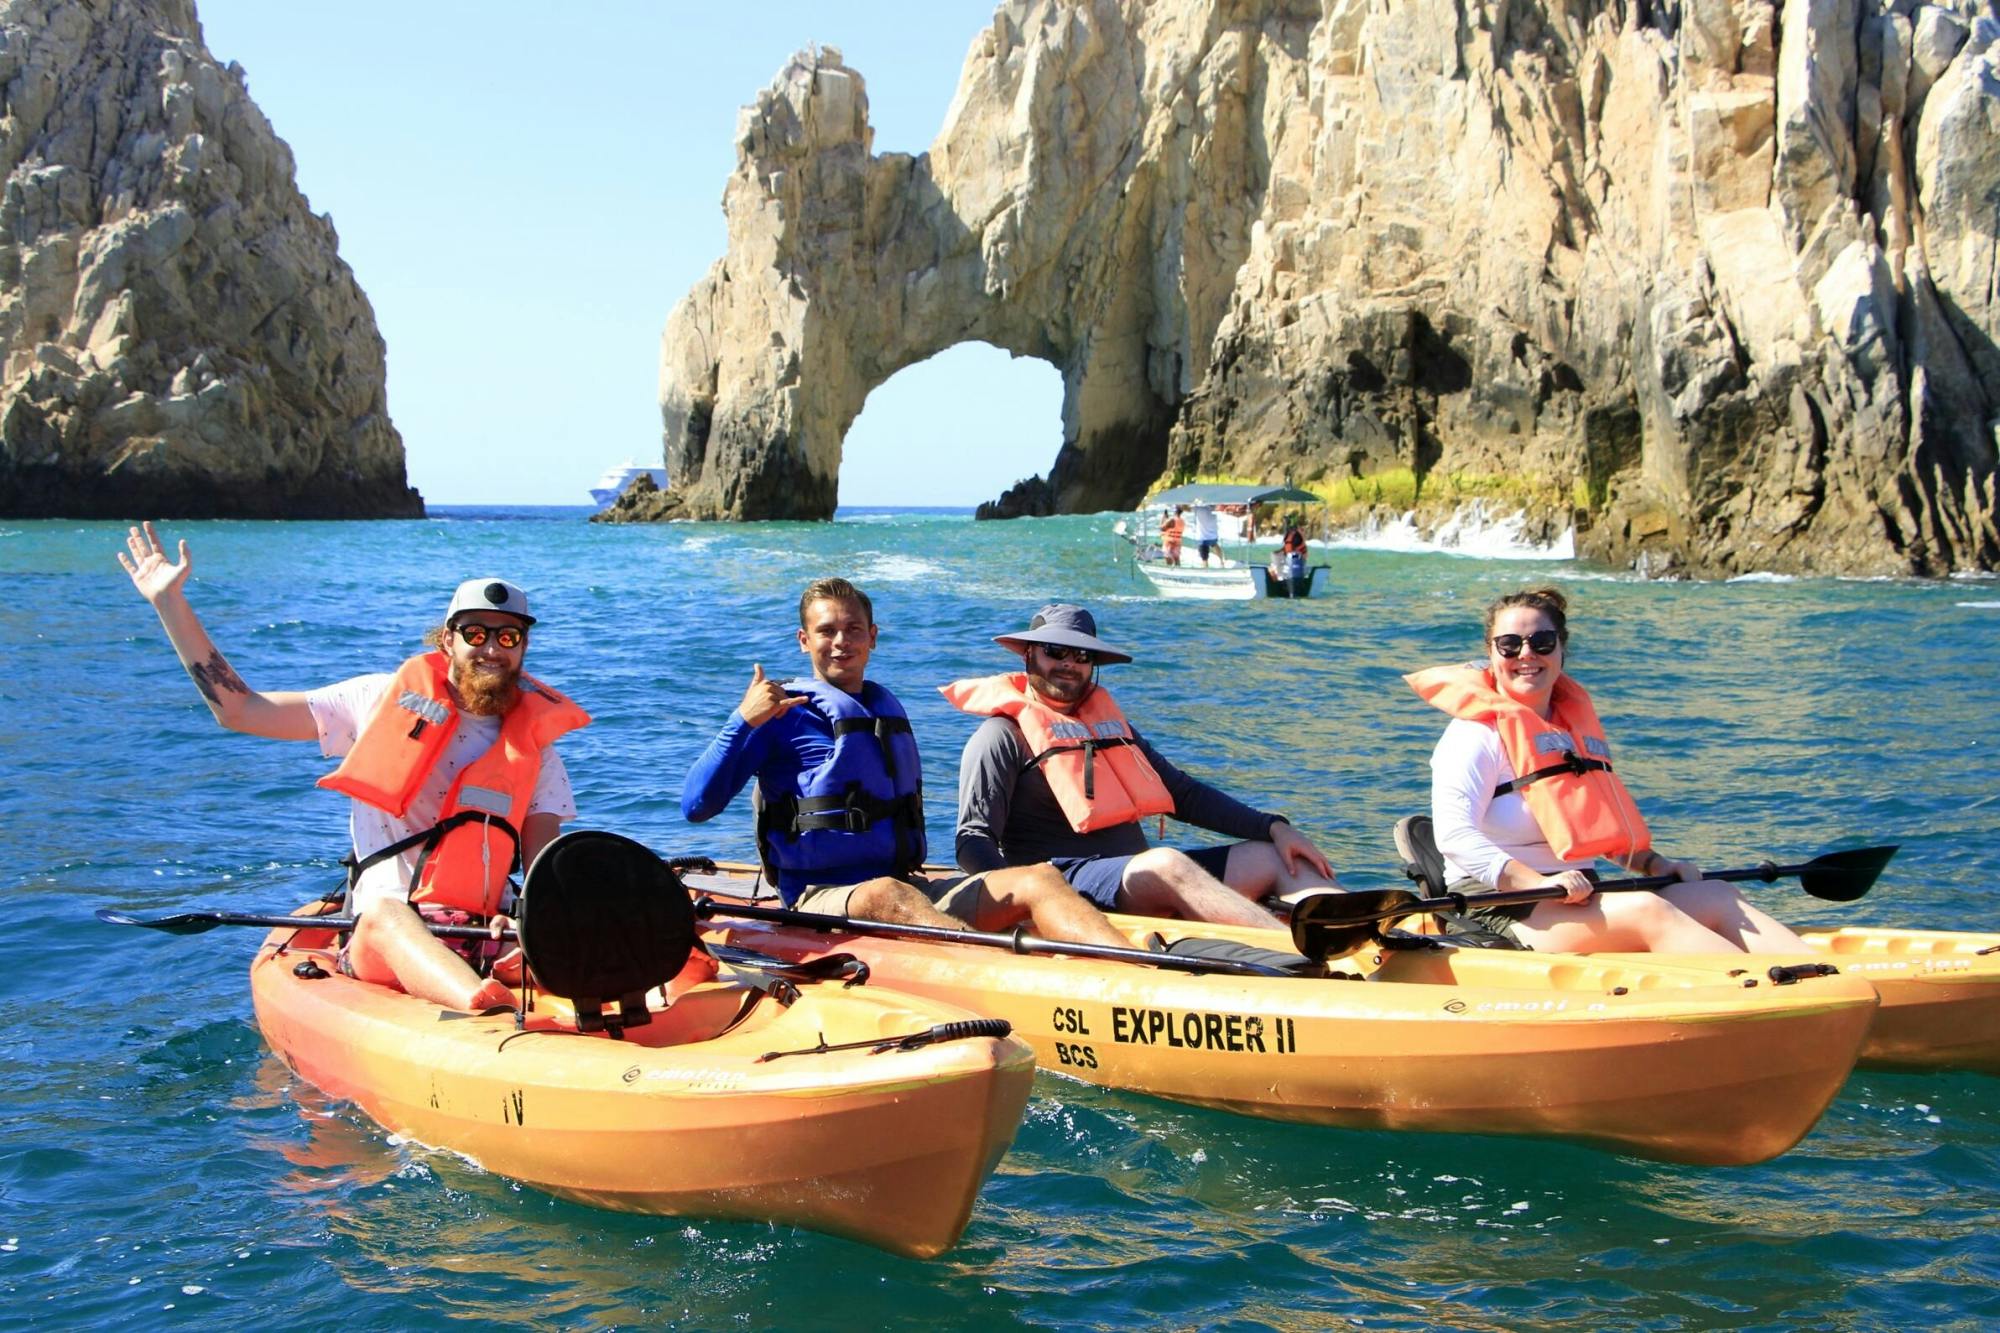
(1014, 941)
(1458, 902)
(192, 923)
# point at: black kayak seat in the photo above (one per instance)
(604, 920)
(1422, 862)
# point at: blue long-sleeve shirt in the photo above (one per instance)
(773, 754)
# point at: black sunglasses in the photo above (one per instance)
(1543, 641)
(1056, 652)
(473, 635)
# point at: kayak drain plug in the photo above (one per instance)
(310, 970)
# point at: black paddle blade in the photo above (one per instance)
(190, 923)
(1841, 877)
(1327, 925)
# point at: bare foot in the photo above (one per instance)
(491, 995)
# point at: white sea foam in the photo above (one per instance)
(1472, 531)
(898, 569)
(1980, 606)
(1760, 576)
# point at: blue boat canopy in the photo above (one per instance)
(1198, 494)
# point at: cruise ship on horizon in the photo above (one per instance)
(616, 478)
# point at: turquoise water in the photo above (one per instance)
(158, 1166)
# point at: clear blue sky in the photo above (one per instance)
(525, 191)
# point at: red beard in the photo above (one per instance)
(486, 691)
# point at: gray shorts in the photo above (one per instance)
(1500, 920)
(954, 895)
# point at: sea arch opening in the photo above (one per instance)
(955, 429)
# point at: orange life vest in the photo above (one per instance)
(1562, 765)
(400, 746)
(1097, 773)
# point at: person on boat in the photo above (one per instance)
(1172, 527)
(449, 763)
(839, 795)
(1207, 533)
(1293, 554)
(1055, 773)
(1517, 713)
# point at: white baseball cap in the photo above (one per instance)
(489, 595)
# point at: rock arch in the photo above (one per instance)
(1710, 281)
(845, 267)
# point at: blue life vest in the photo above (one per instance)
(856, 816)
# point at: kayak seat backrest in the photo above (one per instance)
(1422, 861)
(603, 919)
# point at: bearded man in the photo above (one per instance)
(449, 762)
(1055, 773)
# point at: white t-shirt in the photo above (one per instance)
(1477, 831)
(341, 710)
(1204, 523)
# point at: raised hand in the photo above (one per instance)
(152, 573)
(765, 699)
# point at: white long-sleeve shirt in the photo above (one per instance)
(1477, 831)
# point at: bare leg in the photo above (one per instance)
(899, 903)
(1256, 871)
(1041, 896)
(391, 947)
(1619, 923)
(1718, 906)
(1165, 882)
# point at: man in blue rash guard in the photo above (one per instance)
(840, 819)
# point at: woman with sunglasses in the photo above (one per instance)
(1523, 795)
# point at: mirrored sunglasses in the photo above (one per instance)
(474, 635)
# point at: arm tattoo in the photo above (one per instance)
(213, 673)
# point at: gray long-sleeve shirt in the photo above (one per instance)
(1008, 815)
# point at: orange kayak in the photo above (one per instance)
(681, 1116)
(1636, 1056)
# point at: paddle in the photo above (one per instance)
(1014, 941)
(1325, 925)
(200, 923)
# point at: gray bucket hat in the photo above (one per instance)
(489, 595)
(1065, 626)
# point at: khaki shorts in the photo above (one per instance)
(956, 895)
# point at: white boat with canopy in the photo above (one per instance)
(1221, 577)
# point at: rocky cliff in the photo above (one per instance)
(180, 335)
(1716, 281)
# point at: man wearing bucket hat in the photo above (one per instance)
(449, 763)
(1055, 773)
(839, 795)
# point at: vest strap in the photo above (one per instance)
(1571, 763)
(853, 811)
(1090, 748)
(428, 839)
(882, 728)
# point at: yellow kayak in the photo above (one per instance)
(1940, 994)
(683, 1115)
(1637, 1056)
(1940, 989)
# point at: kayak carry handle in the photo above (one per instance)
(959, 1031)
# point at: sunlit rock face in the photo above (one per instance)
(1713, 281)
(180, 335)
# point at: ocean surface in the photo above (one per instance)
(158, 1167)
